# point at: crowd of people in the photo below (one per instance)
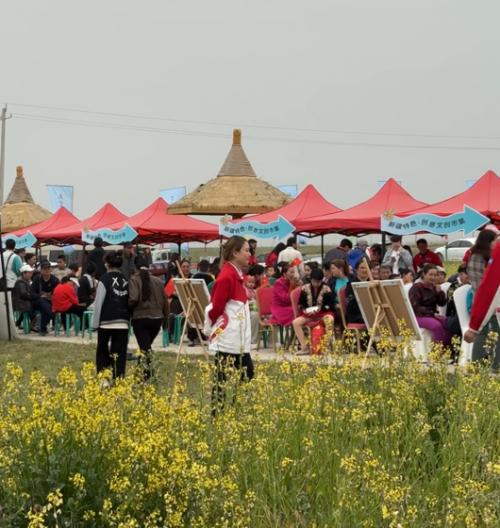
(121, 290)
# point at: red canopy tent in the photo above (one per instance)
(308, 203)
(61, 219)
(155, 225)
(483, 196)
(72, 234)
(365, 217)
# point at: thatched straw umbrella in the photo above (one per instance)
(19, 210)
(235, 191)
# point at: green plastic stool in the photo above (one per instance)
(26, 323)
(165, 338)
(87, 323)
(76, 324)
(179, 320)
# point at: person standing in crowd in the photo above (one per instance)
(96, 256)
(214, 268)
(111, 317)
(272, 257)
(425, 256)
(327, 273)
(375, 269)
(281, 303)
(376, 253)
(480, 255)
(148, 256)
(314, 296)
(30, 259)
(353, 312)
(425, 297)
(358, 253)
(43, 286)
(407, 276)
(128, 256)
(485, 313)
(340, 274)
(150, 309)
(87, 286)
(397, 257)
(252, 261)
(61, 269)
(257, 272)
(308, 267)
(202, 273)
(385, 272)
(13, 263)
(291, 254)
(65, 300)
(340, 252)
(22, 294)
(228, 322)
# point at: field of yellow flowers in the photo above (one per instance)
(304, 444)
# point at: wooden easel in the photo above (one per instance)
(194, 315)
(382, 305)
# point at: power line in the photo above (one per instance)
(253, 125)
(199, 133)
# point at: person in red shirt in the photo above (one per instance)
(65, 299)
(425, 256)
(252, 260)
(485, 312)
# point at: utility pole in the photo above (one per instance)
(3, 119)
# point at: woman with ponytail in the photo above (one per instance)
(149, 306)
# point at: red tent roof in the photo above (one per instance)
(61, 219)
(306, 204)
(365, 217)
(107, 214)
(154, 224)
(483, 196)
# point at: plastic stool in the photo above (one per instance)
(26, 323)
(165, 338)
(179, 320)
(87, 322)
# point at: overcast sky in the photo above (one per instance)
(426, 67)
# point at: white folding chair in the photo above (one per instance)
(460, 300)
(444, 288)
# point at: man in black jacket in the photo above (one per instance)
(22, 295)
(43, 286)
(96, 256)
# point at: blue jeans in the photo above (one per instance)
(44, 306)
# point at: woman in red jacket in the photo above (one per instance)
(65, 299)
(227, 319)
(485, 314)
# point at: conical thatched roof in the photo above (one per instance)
(235, 191)
(19, 210)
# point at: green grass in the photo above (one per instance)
(50, 357)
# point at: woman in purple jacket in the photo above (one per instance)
(425, 297)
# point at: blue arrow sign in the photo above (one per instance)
(280, 228)
(467, 221)
(24, 241)
(120, 236)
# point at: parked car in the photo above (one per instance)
(455, 251)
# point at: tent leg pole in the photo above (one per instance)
(220, 248)
(322, 247)
(384, 243)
